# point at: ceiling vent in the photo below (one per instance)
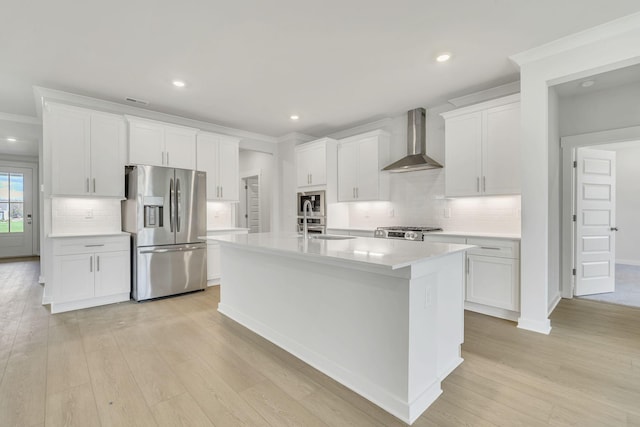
(137, 101)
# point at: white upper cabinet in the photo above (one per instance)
(314, 162)
(482, 148)
(218, 156)
(87, 151)
(360, 159)
(161, 144)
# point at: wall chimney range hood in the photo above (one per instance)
(416, 158)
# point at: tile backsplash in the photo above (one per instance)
(220, 214)
(77, 216)
(417, 198)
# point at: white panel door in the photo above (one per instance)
(180, 147)
(228, 170)
(74, 275)
(112, 273)
(107, 160)
(347, 171)
(595, 221)
(69, 133)
(146, 144)
(501, 150)
(463, 151)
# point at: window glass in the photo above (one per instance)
(16, 211)
(4, 187)
(16, 187)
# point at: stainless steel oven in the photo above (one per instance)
(315, 224)
(318, 203)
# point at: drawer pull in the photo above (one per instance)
(93, 246)
(490, 247)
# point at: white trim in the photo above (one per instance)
(510, 99)
(554, 303)
(43, 94)
(60, 307)
(533, 325)
(19, 118)
(569, 144)
(492, 311)
(365, 127)
(486, 95)
(634, 262)
(579, 39)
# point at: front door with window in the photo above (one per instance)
(16, 221)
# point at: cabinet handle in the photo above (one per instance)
(93, 246)
(94, 185)
(467, 267)
(477, 184)
(167, 158)
(87, 185)
(163, 157)
(221, 191)
(310, 178)
(489, 247)
(353, 192)
(484, 184)
(91, 264)
(97, 262)
(357, 192)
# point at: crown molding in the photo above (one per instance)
(18, 118)
(581, 38)
(296, 138)
(43, 94)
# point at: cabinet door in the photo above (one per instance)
(228, 170)
(180, 147)
(317, 164)
(347, 172)
(303, 162)
(213, 261)
(368, 179)
(207, 161)
(463, 148)
(494, 281)
(73, 277)
(112, 273)
(146, 144)
(501, 150)
(69, 136)
(107, 160)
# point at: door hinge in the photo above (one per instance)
(573, 272)
(575, 163)
(575, 218)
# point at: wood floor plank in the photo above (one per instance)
(73, 407)
(180, 411)
(277, 408)
(335, 411)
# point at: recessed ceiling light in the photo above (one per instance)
(587, 83)
(178, 83)
(443, 57)
(11, 139)
(294, 117)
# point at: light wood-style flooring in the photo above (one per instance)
(178, 362)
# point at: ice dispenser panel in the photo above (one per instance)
(153, 210)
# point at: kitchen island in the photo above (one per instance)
(382, 317)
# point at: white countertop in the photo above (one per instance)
(390, 253)
(96, 234)
(352, 229)
(222, 229)
(493, 235)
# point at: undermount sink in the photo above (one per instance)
(331, 237)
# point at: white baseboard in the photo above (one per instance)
(492, 311)
(554, 303)
(541, 327)
(60, 307)
(628, 261)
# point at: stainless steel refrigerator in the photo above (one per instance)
(165, 212)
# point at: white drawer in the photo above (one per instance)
(444, 239)
(494, 247)
(80, 245)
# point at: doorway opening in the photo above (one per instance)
(16, 212)
(250, 204)
(604, 184)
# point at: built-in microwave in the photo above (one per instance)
(317, 199)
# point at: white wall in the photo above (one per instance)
(555, 183)
(628, 205)
(250, 163)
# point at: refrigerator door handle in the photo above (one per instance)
(171, 195)
(162, 251)
(178, 204)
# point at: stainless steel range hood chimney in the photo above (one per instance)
(416, 158)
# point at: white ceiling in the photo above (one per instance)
(250, 64)
(603, 81)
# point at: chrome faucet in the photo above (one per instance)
(305, 226)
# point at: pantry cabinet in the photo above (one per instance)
(492, 274)
(315, 163)
(360, 160)
(482, 148)
(90, 271)
(86, 149)
(218, 156)
(161, 144)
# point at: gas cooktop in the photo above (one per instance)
(404, 232)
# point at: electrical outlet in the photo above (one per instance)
(447, 212)
(391, 213)
(89, 214)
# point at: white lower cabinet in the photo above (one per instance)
(214, 266)
(90, 271)
(492, 275)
